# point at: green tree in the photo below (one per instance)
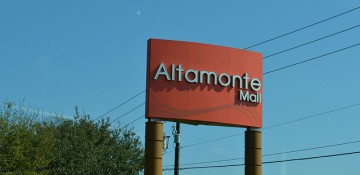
(84, 146)
(58, 145)
(26, 144)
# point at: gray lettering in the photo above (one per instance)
(244, 97)
(208, 76)
(180, 70)
(246, 78)
(227, 81)
(234, 77)
(255, 84)
(162, 71)
(195, 72)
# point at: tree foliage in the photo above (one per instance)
(26, 145)
(65, 146)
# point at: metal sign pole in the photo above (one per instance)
(253, 159)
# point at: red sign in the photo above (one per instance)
(203, 84)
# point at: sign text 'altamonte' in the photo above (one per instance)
(225, 80)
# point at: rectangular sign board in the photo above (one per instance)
(203, 84)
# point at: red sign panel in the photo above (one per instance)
(203, 84)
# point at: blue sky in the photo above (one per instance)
(58, 54)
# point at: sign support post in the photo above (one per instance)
(253, 155)
(153, 147)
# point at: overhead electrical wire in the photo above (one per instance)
(313, 116)
(272, 126)
(311, 59)
(212, 140)
(127, 112)
(302, 28)
(278, 153)
(121, 104)
(313, 148)
(269, 162)
(134, 120)
(314, 157)
(313, 41)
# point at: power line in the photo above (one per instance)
(313, 41)
(302, 28)
(128, 112)
(314, 157)
(311, 59)
(269, 162)
(134, 120)
(312, 116)
(313, 148)
(212, 140)
(120, 104)
(284, 123)
(278, 153)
